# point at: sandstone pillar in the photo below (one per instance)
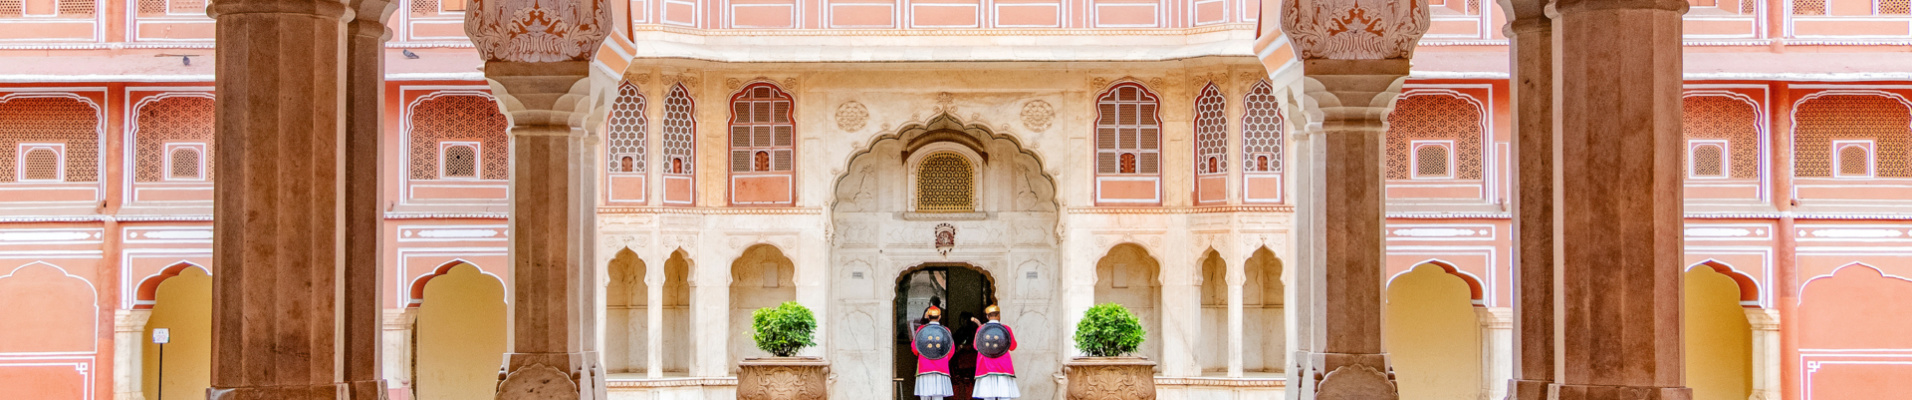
(1531, 33)
(1496, 347)
(1236, 277)
(1351, 77)
(364, 207)
(540, 74)
(129, 340)
(1617, 181)
(277, 233)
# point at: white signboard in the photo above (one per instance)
(162, 335)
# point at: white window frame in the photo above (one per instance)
(167, 173)
(59, 161)
(1872, 158)
(1725, 158)
(1414, 158)
(477, 160)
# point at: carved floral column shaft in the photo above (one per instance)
(1617, 237)
(1354, 56)
(537, 56)
(1531, 54)
(364, 206)
(277, 230)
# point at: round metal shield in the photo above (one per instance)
(993, 340)
(934, 341)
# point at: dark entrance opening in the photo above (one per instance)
(962, 291)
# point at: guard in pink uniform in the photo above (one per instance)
(995, 371)
(932, 349)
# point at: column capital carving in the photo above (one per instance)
(538, 31)
(370, 18)
(1354, 29)
(1351, 95)
(544, 98)
(1524, 16)
(131, 320)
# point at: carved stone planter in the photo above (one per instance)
(783, 378)
(1110, 378)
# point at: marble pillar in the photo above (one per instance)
(278, 228)
(1236, 278)
(1532, 187)
(129, 340)
(1341, 200)
(364, 206)
(1766, 361)
(1180, 312)
(396, 347)
(552, 223)
(1496, 347)
(654, 317)
(1618, 200)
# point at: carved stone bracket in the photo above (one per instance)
(539, 31)
(1354, 29)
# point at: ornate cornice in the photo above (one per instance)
(538, 31)
(1354, 29)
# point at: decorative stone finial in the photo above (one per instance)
(1354, 29)
(538, 30)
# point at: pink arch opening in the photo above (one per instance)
(1474, 288)
(148, 292)
(418, 286)
(1748, 288)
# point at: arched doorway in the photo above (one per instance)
(460, 335)
(1719, 339)
(962, 291)
(182, 304)
(1432, 334)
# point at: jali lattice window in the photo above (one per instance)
(1261, 129)
(1824, 124)
(1211, 132)
(680, 132)
(1432, 116)
(761, 133)
(184, 164)
(945, 183)
(447, 117)
(1431, 161)
(30, 120)
(460, 161)
(1707, 160)
(173, 119)
(40, 164)
(155, 8)
(1855, 160)
(1894, 7)
(1128, 136)
(624, 140)
(1809, 7)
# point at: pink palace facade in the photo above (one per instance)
(1087, 151)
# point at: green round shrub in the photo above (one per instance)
(1109, 330)
(784, 329)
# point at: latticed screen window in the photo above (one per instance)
(1211, 131)
(945, 183)
(1708, 160)
(625, 139)
(1261, 128)
(761, 133)
(154, 8)
(460, 161)
(185, 164)
(46, 8)
(680, 128)
(1855, 160)
(1894, 7)
(1128, 131)
(12, 8)
(40, 164)
(1809, 7)
(1431, 161)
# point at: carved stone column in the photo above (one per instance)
(277, 233)
(1496, 345)
(1766, 361)
(364, 206)
(1351, 78)
(1618, 201)
(129, 331)
(1236, 278)
(1532, 187)
(397, 348)
(537, 57)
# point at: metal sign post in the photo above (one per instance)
(161, 336)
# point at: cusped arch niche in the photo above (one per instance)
(1007, 176)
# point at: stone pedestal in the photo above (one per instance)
(277, 233)
(783, 378)
(1110, 378)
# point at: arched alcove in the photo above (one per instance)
(1211, 354)
(676, 349)
(182, 304)
(761, 278)
(1264, 325)
(1432, 334)
(460, 335)
(1719, 340)
(1129, 276)
(627, 315)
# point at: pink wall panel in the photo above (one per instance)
(862, 14)
(763, 14)
(1029, 13)
(1127, 14)
(945, 14)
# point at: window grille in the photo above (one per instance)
(761, 125)
(1128, 131)
(1211, 130)
(945, 183)
(1707, 161)
(1894, 7)
(1435, 116)
(12, 8)
(187, 7)
(149, 8)
(1809, 7)
(461, 161)
(454, 118)
(84, 8)
(1854, 160)
(628, 126)
(42, 164)
(680, 128)
(1261, 128)
(1430, 161)
(69, 126)
(1825, 125)
(1747, 6)
(185, 164)
(424, 8)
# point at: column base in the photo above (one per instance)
(366, 390)
(1530, 390)
(1335, 376)
(1603, 392)
(552, 376)
(330, 391)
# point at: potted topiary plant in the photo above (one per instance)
(783, 331)
(1107, 334)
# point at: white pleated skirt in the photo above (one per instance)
(996, 387)
(934, 385)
